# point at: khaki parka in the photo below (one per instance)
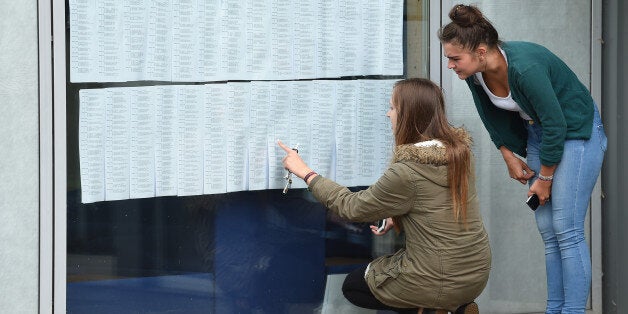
(445, 263)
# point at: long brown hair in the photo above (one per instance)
(421, 116)
(469, 28)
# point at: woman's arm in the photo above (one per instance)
(517, 168)
(392, 195)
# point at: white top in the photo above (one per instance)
(507, 102)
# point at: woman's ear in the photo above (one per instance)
(481, 50)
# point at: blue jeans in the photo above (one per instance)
(561, 220)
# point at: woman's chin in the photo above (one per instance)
(462, 76)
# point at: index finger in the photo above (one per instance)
(284, 147)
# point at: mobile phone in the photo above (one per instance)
(381, 225)
(533, 201)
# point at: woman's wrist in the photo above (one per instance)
(547, 173)
(309, 176)
(549, 178)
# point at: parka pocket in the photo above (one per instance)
(386, 268)
(382, 278)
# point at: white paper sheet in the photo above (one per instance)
(92, 122)
(117, 175)
(322, 138)
(185, 36)
(166, 141)
(327, 38)
(346, 132)
(280, 102)
(159, 41)
(142, 142)
(237, 131)
(190, 105)
(258, 135)
(215, 139)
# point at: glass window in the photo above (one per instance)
(246, 251)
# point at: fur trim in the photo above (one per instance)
(433, 154)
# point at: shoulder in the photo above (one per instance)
(519, 47)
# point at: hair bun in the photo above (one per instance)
(465, 15)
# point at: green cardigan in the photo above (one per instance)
(545, 89)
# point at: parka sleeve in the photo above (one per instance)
(392, 195)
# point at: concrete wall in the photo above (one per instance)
(19, 157)
(615, 172)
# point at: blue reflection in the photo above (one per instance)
(245, 252)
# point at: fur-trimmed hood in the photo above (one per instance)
(430, 153)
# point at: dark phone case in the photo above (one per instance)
(533, 201)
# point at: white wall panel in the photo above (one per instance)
(19, 160)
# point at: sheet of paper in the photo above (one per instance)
(142, 142)
(371, 123)
(280, 103)
(208, 23)
(372, 38)
(117, 144)
(281, 37)
(135, 35)
(232, 38)
(393, 38)
(258, 39)
(215, 138)
(190, 104)
(350, 31)
(185, 50)
(83, 47)
(258, 138)
(346, 132)
(322, 139)
(92, 124)
(111, 52)
(304, 31)
(166, 141)
(300, 115)
(237, 131)
(327, 38)
(159, 41)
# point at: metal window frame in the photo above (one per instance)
(52, 157)
(52, 162)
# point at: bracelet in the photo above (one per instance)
(307, 176)
(546, 178)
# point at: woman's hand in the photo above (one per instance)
(293, 162)
(542, 189)
(517, 168)
(389, 225)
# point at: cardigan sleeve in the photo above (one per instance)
(392, 195)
